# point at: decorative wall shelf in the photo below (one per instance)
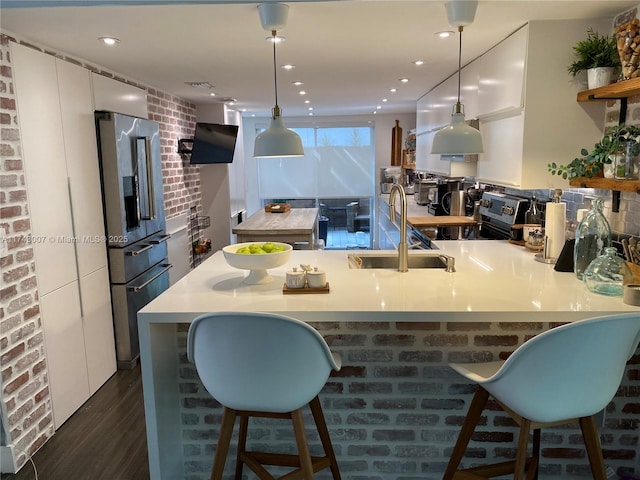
(614, 91)
(607, 184)
(616, 186)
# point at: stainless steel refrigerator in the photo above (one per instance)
(131, 172)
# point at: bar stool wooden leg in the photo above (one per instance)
(594, 450)
(242, 442)
(535, 456)
(303, 447)
(473, 416)
(521, 455)
(222, 449)
(323, 431)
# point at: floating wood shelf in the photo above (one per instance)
(614, 91)
(616, 186)
(607, 184)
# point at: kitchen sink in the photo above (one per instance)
(390, 260)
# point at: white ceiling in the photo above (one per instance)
(347, 53)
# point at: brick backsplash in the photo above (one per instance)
(395, 409)
(25, 387)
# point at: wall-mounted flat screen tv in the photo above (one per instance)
(213, 143)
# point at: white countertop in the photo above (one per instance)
(494, 281)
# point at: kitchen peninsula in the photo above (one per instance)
(395, 407)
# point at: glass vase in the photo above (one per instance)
(607, 274)
(626, 162)
(593, 235)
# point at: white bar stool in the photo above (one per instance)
(564, 375)
(264, 365)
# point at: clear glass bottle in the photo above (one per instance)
(593, 235)
(533, 216)
(607, 274)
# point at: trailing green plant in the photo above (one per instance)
(584, 166)
(590, 164)
(596, 51)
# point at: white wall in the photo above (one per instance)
(383, 124)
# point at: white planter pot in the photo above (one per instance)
(599, 77)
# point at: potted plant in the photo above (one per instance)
(610, 151)
(598, 55)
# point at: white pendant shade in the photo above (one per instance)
(273, 16)
(458, 138)
(278, 141)
(461, 13)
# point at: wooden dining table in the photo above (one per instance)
(297, 225)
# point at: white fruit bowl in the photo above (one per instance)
(258, 263)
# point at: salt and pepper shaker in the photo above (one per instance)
(316, 278)
(295, 279)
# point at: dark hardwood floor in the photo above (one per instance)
(104, 439)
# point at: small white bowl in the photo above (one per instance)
(257, 264)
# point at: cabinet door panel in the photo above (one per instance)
(41, 132)
(470, 78)
(114, 96)
(64, 341)
(98, 328)
(501, 161)
(502, 75)
(74, 85)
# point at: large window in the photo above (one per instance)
(338, 162)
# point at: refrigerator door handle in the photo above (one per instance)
(162, 239)
(135, 253)
(138, 288)
(143, 150)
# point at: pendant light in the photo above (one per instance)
(277, 140)
(458, 138)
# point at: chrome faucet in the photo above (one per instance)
(403, 249)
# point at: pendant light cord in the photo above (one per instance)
(275, 69)
(458, 104)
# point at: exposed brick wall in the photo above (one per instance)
(395, 409)
(26, 404)
(177, 119)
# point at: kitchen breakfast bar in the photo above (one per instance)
(395, 408)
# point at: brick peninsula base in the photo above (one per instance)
(395, 408)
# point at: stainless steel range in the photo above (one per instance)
(499, 212)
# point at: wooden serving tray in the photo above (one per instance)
(277, 207)
(291, 291)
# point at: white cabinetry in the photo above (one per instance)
(114, 96)
(501, 75)
(55, 113)
(551, 126)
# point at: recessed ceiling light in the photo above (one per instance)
(307, 101)
(384, 100)
(302, 92)
(288, 66)
(212, 94)
(378, 107)
(297, 83)
(444, 34)
(404, 80)
(109, 40)
(418, 62)
(393, 90)
(310, 108)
